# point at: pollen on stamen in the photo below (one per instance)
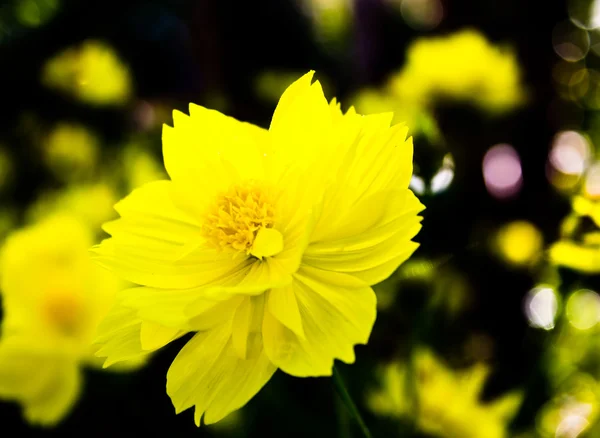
(236, 216)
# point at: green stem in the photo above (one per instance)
(340, 386)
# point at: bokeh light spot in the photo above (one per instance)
(442, 180)
(574, 420)
(34, 13)
(584, 13)
(417, 185)
(519, 242)
(422, 14)
(583, 309)
(570, 42)
(570, 153)
(541, 306)
(502, 171)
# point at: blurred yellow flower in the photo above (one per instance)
(463, 66)
(578, 256)
(445, 403)
(140, 167)
(575, 249)
(520, 243)
(448, 288)
(91, 204)
(583, 206)
(70, 151)
(91, 73)
(53, 298)
(264, 242)
(372, 101)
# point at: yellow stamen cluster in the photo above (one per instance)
(235, 218)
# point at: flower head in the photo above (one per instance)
(463, 66)
(53, 297)
(446, 402)
(71, 152)
(91, 73)
(264, 242)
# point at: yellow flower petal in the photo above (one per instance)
(165, 307)
(206, 153)
(255, 279)
(187, 308)
(219, 382)
(337, 312)
(268, 242)
(371, 255)
(154, 336)
(283, 305)
(45, 382)
(247, 323)
(375, 160)
(295, 218)
(156, 244)
(208, 315)
(120, 337)
(301, 123)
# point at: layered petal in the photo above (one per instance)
(337, 311)
(370, 254)
(296, 212)
(209, 374)
(372, 158)
(207, 152)
(156, 244)
(203, 307)
(123, 336)
(301, 124)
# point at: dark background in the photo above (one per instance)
(185, 51)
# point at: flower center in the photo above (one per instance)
(242, 220)
(64, 311)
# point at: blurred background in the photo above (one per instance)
(489, 330)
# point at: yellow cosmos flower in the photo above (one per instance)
(91, 204)
(53, 298)
(71, 152)
(372, 101)
(463, 66)
(446, 402)
(264, 242)
(91, 73)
